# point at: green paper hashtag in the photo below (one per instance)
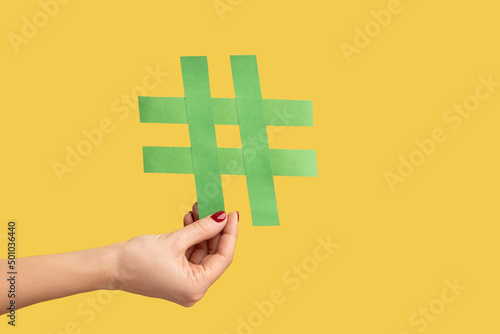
(207, 161)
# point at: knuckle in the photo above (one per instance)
(201, 227)
(187, 304)
(194, 297)
(230, 259)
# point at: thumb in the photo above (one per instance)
(201, 230)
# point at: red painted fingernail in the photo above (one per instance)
(218, 216)
(238, 214)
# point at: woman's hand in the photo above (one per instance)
(178, 266)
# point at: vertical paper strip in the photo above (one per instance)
(202, 134)
(254, 141)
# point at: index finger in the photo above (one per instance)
(217, 263)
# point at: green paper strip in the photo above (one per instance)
(288, 112)
(254, 141)
(178, 160)
(202, 134)
(231, 161)
(277, 112)
(167, 160)
(225, 111)
(283, 162)
(294, 162)
(162, 110)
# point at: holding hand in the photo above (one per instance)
(179, 266)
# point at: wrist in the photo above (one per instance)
(109, 262)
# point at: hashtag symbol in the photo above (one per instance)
(205, 160)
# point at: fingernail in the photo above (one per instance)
(218, 216)
(238, 214)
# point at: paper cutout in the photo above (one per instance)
(202, 134)
(277, 112)
(167, 160)
(205, 160)
(177, 160)
(254, 141)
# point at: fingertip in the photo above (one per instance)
(196, 215)
(235, 216)
(232, 226)
(219, 216)
(188, 218)
(200, 230)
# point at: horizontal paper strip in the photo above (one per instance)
(162, 110)
(167, 160)
(294, 162)
(277, 112)
(158, 159)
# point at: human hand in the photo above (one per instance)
(179, 266)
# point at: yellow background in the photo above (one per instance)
(396, 248)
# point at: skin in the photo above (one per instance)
(178, 266)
